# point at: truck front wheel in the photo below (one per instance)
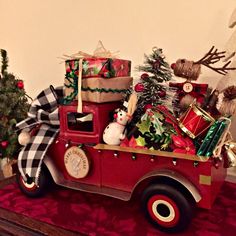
(167, 208)
(30, 188)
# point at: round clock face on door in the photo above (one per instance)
(76, 162)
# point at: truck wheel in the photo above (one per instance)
(167, 208)
(30, 188)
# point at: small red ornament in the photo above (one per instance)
(148, 106)
(139, 87)
(4, 144)
(161, 93)
(20, 84)
(173, 65)
(144, 76)
(68, 70)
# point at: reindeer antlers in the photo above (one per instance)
(212, 57)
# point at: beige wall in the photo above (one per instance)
(36, 32)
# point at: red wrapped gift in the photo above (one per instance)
(98, 67)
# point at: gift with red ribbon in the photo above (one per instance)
(98, 67)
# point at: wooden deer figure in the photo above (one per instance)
(190, 70)
(115, 131)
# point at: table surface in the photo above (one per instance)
(15, 224)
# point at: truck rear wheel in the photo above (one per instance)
(30, 189)
(167, 208)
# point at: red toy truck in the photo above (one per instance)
(169, 184)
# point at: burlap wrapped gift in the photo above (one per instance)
(101, 90)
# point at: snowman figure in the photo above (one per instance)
(116, 131)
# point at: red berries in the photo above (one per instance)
(4, 144)
(139, 87)
(173, 65)
(20, 84)
(144, 76)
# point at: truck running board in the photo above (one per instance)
(58, 179)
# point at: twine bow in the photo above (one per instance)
(99, 52)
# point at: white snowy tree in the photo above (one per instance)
(231, 44)
(230, 48)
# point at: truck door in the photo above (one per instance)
(79, 134)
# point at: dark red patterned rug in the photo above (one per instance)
(96, 215)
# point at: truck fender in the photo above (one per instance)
(52, 169)
(174, 176)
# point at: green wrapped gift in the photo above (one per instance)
(212, 138)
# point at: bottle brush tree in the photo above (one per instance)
(13, 108)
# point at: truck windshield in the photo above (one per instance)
(80, 121)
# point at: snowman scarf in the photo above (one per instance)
(43, 112)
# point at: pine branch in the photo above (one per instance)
(4, 61)
(13, 107)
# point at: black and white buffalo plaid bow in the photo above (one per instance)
(43, 112)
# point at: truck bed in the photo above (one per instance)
(101, 146)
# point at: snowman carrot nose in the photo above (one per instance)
(115, 116)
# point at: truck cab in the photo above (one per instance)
(168, 184)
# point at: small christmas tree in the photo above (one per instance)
(153, 88)
(13, 108)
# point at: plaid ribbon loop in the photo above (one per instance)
(44, 112)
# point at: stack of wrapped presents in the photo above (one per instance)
(185, 117)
